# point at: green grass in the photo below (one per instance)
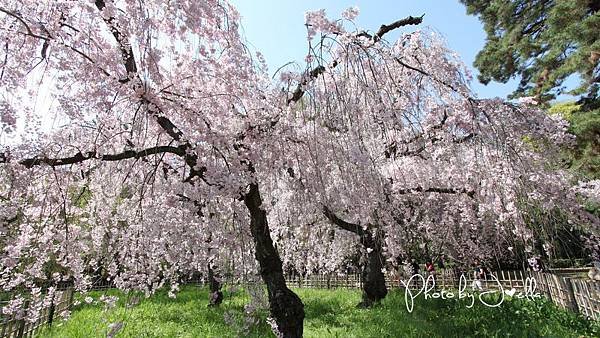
(329, 313)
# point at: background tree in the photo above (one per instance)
(542, 42)
(584, 158)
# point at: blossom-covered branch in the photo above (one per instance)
(315, 72)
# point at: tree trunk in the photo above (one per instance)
(374, 288)
(216, 296)
(285, 306)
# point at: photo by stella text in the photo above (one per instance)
(417, 284)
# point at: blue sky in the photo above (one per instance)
(276, 28)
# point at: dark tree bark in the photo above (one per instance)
(286, 307)
(374, 288)
(216, 296)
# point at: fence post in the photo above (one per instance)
(5, 322)
(571, 294)
(70, 301)
(541, 280)
(51, 311)
(21, 322)
(551, 286)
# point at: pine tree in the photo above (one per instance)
(543, 42)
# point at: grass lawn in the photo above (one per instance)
(329, 313)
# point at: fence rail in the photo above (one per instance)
(443, 279)
(578, 295)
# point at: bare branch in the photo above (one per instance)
(299, 92)
(438, 190)
(126, 51)
(18, 17)
(411, 20)
(81, 157)
(426, 74)
(333, 218)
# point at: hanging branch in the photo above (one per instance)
(314, 73)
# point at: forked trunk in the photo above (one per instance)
(374, 288)
(285, 306)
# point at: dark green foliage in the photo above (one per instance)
(567, 240)
(541, 41)
(584, 158)
(80, 196)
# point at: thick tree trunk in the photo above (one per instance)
(216, 296)
(374, 288)
(286, 307)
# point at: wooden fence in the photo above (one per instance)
(443, 279)
(578, 295)
(17, 326)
